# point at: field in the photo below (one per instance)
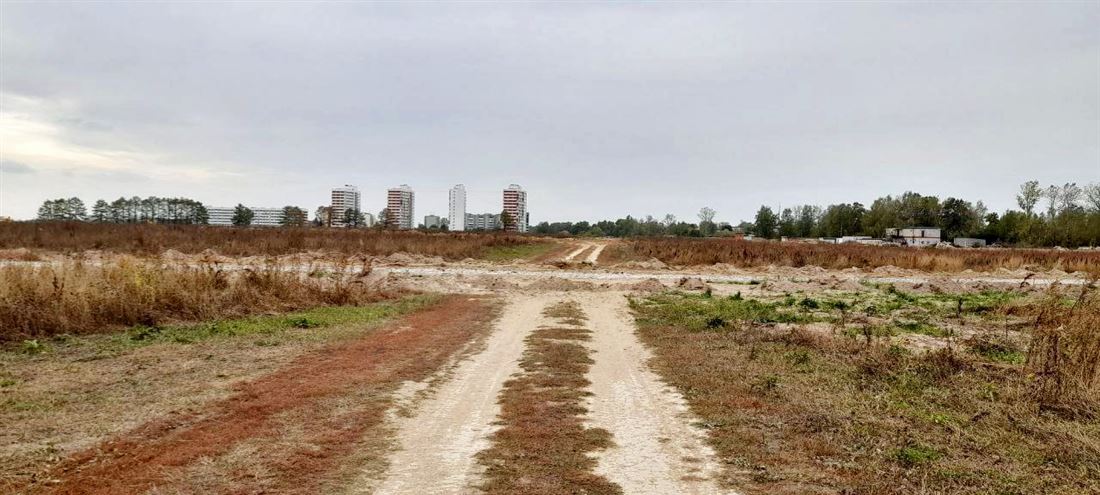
(151, 239)
(554, 367)
(740, 253)
(832, 402)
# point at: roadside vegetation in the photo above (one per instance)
(740, 253)
(280, 403)
(543, 446)
(153, 239)
(73, 297)
(829, 400)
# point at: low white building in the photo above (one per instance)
(261, 217)
(915, 236)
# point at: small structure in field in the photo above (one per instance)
(968, 242)
(915, 236)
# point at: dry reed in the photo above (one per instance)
(147, 239)
(759, 253)
(76, 297)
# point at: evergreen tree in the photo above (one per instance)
(242, 216)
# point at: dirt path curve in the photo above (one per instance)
(581, 247)
(595, 254)
(657, 451)
(437, 445)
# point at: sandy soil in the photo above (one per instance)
(657, 451)
(437, 444)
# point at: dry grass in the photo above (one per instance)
(149, 239)
(1064, 355)
(75, 297)
(804, 412)
(759, 253)
(543, 446)
(311, 422)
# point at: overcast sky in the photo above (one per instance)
(598, 110)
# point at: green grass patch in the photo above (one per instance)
(517, 252)
(700, 312)
(270, 328)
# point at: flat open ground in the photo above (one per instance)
(557, 371)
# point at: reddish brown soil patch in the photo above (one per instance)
(303, 397)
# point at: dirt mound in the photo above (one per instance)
(648, 285)
(173, 255)
(494, 283)
(403, 259)
(692, 283)
(555, 283)
(650, 264)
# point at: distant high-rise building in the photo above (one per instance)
(343, 199)
(457, 215)
(433, 221)
(515, 204)
(399, 205)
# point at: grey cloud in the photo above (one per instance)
(10, 167)
(599, 110)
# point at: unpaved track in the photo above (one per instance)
(576, 252)
(656, 451)
(595, 254)
(437, 445)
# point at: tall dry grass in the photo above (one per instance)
(758, 253)
(1064, 354)
(154, 239)
(76, 297)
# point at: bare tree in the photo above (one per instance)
(1054, 199)
(1070, 196)
(706, 214)
(1092, 195)
(1030, 192)
(669, 219)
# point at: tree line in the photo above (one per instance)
(126, 210)
(1065, 215)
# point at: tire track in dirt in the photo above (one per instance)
(438, 444)
(576, 252)
(594, 256)
(298, 397)
(656, 451)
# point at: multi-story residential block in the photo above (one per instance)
(482, 221)
(457, 210)
(343, 199)
(515, 204)
(399, 207)
(433, 221)
(261, 217)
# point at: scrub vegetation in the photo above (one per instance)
(153, 239)
(684, 251)
(1012, 407)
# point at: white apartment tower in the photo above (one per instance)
(457, 203)
(343, 199)
(399, 205)
(515, 204)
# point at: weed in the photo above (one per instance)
(916, 454)
(303, 322)
(33, 346)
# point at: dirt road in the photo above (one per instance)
(437, 444)
(656, 449)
